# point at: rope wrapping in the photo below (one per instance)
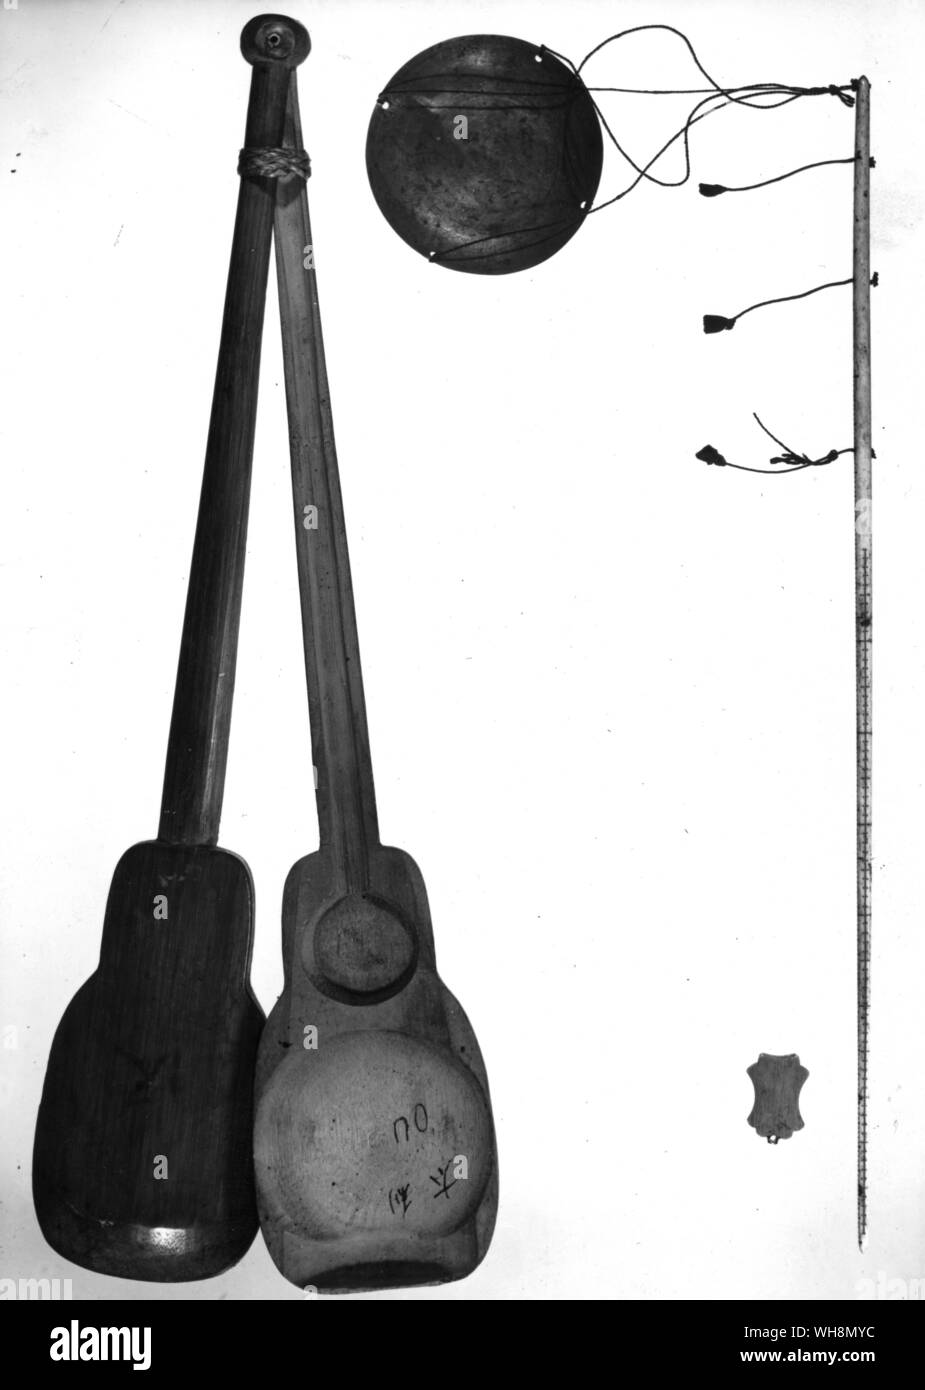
(274, 164)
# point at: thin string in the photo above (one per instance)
(693, 119)
(558, 226)
(746, 96)
(642, 173)
(410, 86)
(794, 459)
(794, 462)
(715, 323)
(713, 190)
(715, 86)
(740, 95)
(757, 96)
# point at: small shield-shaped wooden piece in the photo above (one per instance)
(777, 1082)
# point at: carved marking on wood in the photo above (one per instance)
(443, 1181)
(419, 1116)
(399, 1199)
(401, 1121)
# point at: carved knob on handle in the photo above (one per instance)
(272, 38)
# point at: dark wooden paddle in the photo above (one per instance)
(142, 1164)
(373, 1139)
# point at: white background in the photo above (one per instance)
(610, 689)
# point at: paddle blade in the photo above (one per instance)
(142, 1164)
(373, 1137)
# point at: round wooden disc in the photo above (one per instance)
(484, 153)
(376, 1136)
(360, 946)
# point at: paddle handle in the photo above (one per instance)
(344, 789)
(197, 749)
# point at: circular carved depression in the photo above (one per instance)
(376, 1134)
(361, 945)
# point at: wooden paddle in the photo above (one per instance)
(374, 1144)
(142, 1164)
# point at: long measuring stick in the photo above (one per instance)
(863, 615)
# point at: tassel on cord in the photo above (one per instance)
(713, 190)
(792, 461)
(715, 323)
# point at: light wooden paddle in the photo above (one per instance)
(142, 1163)
(374, 1143)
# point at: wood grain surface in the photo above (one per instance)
(142, 1163)
(777, 1082)
(374, 1142)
